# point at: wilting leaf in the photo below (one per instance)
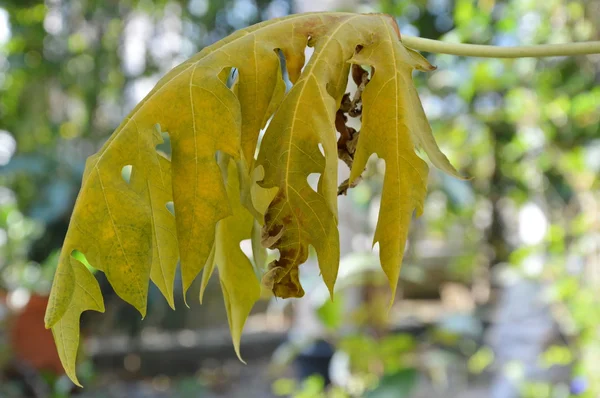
(299, 216)
(123, 227)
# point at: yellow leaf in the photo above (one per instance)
(240, 286)
(164, 234)
(299, 215)
(66, 330)
(392, 118)
(213, 123)
(112, 223)
(116, 223)
(125, 230)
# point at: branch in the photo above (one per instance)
(477, 50)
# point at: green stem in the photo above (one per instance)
(476, 50)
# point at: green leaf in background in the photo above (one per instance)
(395, 385)
(331, 313)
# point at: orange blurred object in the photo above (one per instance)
(31, 342)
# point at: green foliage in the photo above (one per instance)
(377, 367)
(395, 385)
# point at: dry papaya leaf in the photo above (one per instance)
(300, 216)
(125, 229)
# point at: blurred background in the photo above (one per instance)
(499, 292)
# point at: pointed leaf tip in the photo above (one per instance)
(207, 272)
(86, 296)
(239, 283)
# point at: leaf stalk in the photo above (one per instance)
(478, 50)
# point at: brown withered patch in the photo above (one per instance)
(281, 232)
(283, 276)
(284, 283)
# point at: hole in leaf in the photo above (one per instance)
(309, 50)
(308, 53)
(261, 135)
(343, 171)
(126, 173)
(77, 255)
(273, 255)
(165, 147)
(313, 180)
(321, 149)
(233, 77)
(284, 73)
(171, 207)
(246, 247)
(218, 159)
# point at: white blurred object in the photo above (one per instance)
(18, 299)
(533, 224)
(8, 146)
(4, 26)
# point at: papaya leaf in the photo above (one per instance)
(299, 215)
(392, 117)
(221, 194)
